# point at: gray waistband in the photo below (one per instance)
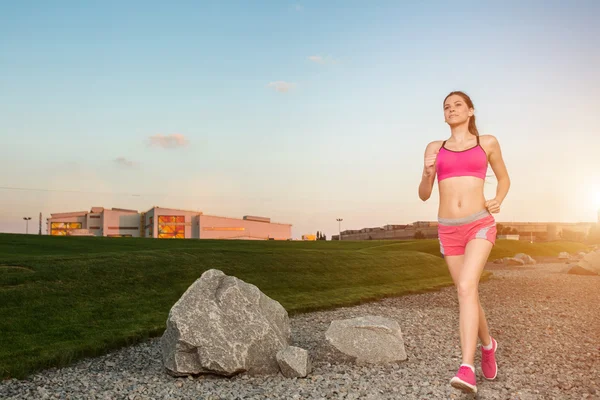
(464, 220)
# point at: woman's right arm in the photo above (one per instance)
(428, 175)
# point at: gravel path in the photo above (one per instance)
(547, 324)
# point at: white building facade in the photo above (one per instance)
(165, 223)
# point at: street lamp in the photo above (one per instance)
(26, 224)
(339, 220)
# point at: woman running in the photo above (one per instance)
(467, 228)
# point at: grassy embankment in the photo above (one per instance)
(64, 298)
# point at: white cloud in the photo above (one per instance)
(323, 60)
(171, 141)
(123, 162)
(282, 86)
(317, 59)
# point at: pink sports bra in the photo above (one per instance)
(469, 162)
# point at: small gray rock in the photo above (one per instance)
(591, 262)
(294, 362)
(527, 259)
(577, 270)
(514, 261)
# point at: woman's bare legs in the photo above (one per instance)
(465, 271)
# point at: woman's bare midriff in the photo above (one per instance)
(460, 197)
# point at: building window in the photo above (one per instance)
(223, 228)
(171, 227)
(63, 228)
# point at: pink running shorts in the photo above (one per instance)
(454, 234)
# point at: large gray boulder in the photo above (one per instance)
(591, 262)
(223, 325)
(371, 339)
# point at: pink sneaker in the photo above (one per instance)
(488, 361)
(464, 380)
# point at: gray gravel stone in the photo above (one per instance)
(546, 322)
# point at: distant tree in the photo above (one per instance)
(419, 235)
(321, 236)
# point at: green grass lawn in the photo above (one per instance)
(64, 298)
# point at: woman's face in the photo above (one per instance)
(456, 110)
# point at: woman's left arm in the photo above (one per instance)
(499, 168)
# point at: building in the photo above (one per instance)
(549, 231)
(526, 231)
(98, 221)
(165, 223)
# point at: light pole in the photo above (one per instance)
(339, 220)
(26, 224)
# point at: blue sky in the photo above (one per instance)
(300, 111)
